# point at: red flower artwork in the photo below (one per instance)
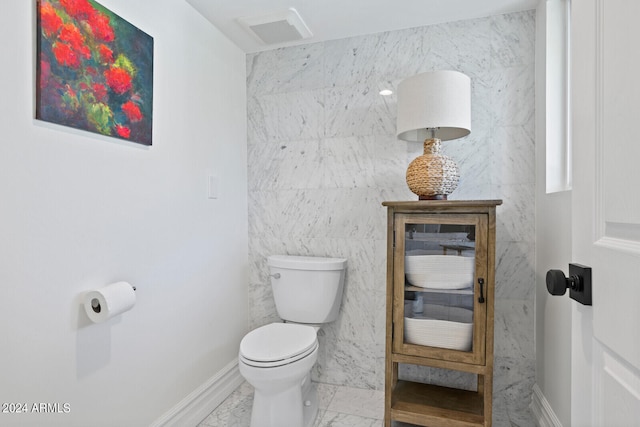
(95, 70)
(118, 79)
(45, 71)
(132, 111)
(71, 35)
(65, 55)
(101, 27)
(99, 91)
(79, 9)
(106, 54)
(49, 19)
(123, 131)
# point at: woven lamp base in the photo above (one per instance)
(432, 176)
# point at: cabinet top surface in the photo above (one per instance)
(428, 204)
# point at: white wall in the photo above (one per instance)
(79, 211)
(553, 251)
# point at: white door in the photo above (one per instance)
(605, 97)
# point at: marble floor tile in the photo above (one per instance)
(356, 401)
(232, 412)
(337, 419)
(337, 407)
(340, 406)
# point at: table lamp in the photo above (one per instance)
(433, 107)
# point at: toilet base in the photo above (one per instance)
(309, 402)
(302, 404)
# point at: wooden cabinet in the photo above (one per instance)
(440, 309)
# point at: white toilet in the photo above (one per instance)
(276, 359)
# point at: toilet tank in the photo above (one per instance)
(307, 289)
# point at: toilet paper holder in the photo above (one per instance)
(109, 301)
(95, 304)
(97, 307)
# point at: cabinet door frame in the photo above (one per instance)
(477, 355)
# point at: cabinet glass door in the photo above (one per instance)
(439, 285)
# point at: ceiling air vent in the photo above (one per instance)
(278, 27)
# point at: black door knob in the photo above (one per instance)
(579, 281)
(557, 282)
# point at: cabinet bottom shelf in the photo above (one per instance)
(435, 406)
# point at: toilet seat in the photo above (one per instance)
(278, 344)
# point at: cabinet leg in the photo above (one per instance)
(488, 397)
(391, 381)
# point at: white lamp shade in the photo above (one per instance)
(438, 100)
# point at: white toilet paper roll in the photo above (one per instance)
(105, 303)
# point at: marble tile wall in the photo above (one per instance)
(323, 155)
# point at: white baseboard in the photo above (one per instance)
(194, 408)
(542, 411)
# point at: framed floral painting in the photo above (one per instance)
(94, 70)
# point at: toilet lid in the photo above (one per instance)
(277, 341)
